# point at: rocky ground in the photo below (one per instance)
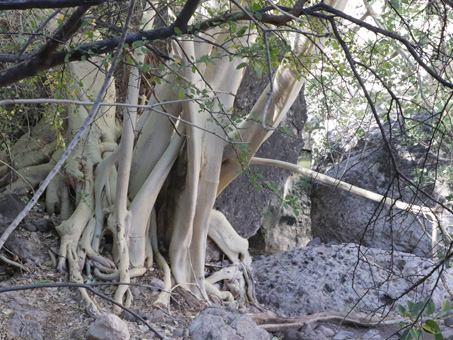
(302, 281)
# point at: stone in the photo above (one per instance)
(125, 315)
(293, 335)
(156, 316)
(225, 323)
(45, 225)
(315, 242)
(24, 328)
(156, 285)
(323, 278)
(178, 332)
(10, 206)
(326, 331)
(448, 320)
(372, 334)
(108, 327)
(240, 202)
(343, 335)
(26, 247)
(340, 216)
(282, 229)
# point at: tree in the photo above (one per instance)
(148, 174)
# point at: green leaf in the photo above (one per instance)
(42, 282)
(445, 306)
(438, 337)
(405, 335)
(66, 58)
(401, 310)
(432, 326)
(178, 31)
(242, 31)
(416, 334)
(241, 65)
(395, 4)
(417, 308)
(181, 95)
(430, 307)
(259, 71)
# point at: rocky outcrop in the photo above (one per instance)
(342, 278)
(242, 204)
(340, 216)
(225, 323)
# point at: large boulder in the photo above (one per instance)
(343, 278)
(340, 216)
(242, 204)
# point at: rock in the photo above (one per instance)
(156, 285)
(241, 203)
(448, 320)
(10, 206)
(225, 323)
(343, 335)
(178, 332)
(282, 229)
(322, 278)
(45, 225)
(156, 316)
(26, 247)
(24, 328)
(340, 216)
(108, 327)
(315, 242)
(372, 334)
(326, 331)
(125, 315)
(293, 335)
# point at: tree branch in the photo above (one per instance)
(63, 34)
(32, 65)
(314, 11)
(27, 4)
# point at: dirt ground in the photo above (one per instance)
(59, 313)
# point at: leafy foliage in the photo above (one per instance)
(416, 312)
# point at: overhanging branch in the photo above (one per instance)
(28, 4)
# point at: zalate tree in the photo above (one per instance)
(133, 133)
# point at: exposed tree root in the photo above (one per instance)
(272, 323)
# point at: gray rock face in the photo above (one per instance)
(340, 278)
(240, 202)
(225, 323)
(340, 216)
(108, 327)
(343, 217)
